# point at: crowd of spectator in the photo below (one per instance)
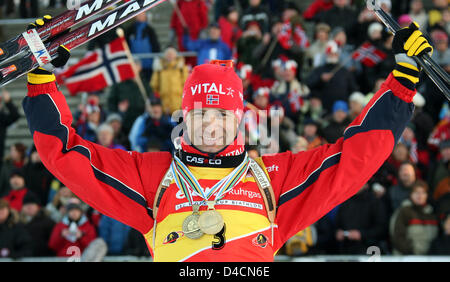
(309, 73)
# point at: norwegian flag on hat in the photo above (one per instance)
(99, 69)
(369, 55)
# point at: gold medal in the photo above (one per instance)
(190, 225)
(210, 221)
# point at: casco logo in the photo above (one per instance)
(199, 160)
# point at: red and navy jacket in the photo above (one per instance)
(307, 185)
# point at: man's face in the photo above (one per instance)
(157, 111)
(340, 3)
(74, 214)
(339, 116)
(419, 196)
(407, 175)
(445, 153)
(310, 130)
(261, 101)
(210, 129)
(105, 137)
(30, 209)
(17, 182)
(214, 33)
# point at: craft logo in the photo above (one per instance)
(173, 237)
(260, 241)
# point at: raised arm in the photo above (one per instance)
(309, 184)
(108, 180)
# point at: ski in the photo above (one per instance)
(18, 67)
(17, 45)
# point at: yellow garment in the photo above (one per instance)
(301, 242)
(168, 80)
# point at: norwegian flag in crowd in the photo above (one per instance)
(369, 55)
(296, 101)
(99, 69)
(288, 37)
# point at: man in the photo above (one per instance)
(236, 224)
(7, 118)
(142, 38)
(337, 123)
(38, 224)
(18, 190)
(212, 48)
(406, 178)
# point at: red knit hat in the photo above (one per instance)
(214, 85)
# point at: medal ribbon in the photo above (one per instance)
(186, 181)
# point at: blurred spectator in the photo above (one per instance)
(404, 20)
(229, 26)
(170, 73)
(8, 115)
(300, 146)
(315, 8)
(29, 9)
(423, 123)
(74, 230)
(212, 48)
(105, 137)
(57, 207)
(151, 126)
(337, 123)
(400, 192)
(414, 225)
(136, 245)
(142, 38)
(361, 222)
(18, 190)
(37, 178)
(196, 12)
(339, 35)
(440, 170)
(316, 52)
(440, 133)
(441, 53)
(357, 102)
(408, 138)
(441, 245)
(330, 82)
(292, 37)
(250, 39)
(15, 242)
(289, 91)
(311, 134)
(341, 14)
(114, 233)
(313, 110)
(256, 12)
(57, 4)
(126, 99)
(115, 121)
(418, 13)
(221, 8)
(90, 117)
(399, 7)
(436, 15)
(38, 224)
(7, 7)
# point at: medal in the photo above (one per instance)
(210, 221)
(190, 225)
